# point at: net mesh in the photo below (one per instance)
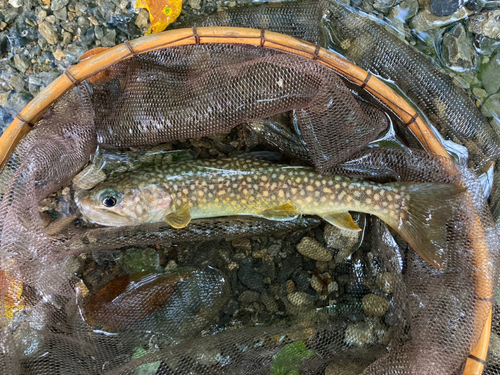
(226, 295)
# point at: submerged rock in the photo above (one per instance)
(311, 248)
(445, 7)
(490, 75)
(491, 107)
(486, 23)
(375, 305)
(458, 53)
(427, 20)
(359, 334)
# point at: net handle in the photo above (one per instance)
(23, 123)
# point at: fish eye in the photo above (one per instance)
(109, 198)
(109, 201)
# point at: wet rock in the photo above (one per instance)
(134, 261)
(195, 4)
(427, 20)
(16, 3)
(300, 299)
(61, 14)
(478, 92)
(22, 64)
(59, 54)
(311, 248)
(288, 267)
(486, 23)
(109, 39)
(249, 296)
(491, 107)
(302, 281)
(17, 102)
(344, 240)
(401, 13)
(458, 53)
(375, 305)
(231, 307)
(269, 302)
(58, 4)
(474, 5)
(490, 74)
(443, 8)
(359, 334)
(316, 284)
(48, 33)
(142, 20)
(249, 277)
(384, 282)
(384, 5)
(273, 250)
(333, 287)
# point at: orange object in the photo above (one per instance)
(161, 13)
(205, 35)
(11, 293)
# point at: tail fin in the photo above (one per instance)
(423, 225)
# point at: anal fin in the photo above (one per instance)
(343, 220)
(180, 218)
(284, 212)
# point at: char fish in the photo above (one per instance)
(177, 193)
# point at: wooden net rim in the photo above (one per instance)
(263, 38)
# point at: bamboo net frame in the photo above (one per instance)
(99, 62)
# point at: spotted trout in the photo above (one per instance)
(178, 193)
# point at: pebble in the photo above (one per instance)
(16, 3)
(359, 334)
(17, 102)
(375, 305)
(171, 265)
(458, 52)
(142, 20)
(195, 4)
(269, 302)
(333, 287)
(311, 248)
(288, 267)
(345, 240)
(299, 299)
(384, 282)
(249, 296)
(290, 286)
(316, 284)
(445, 7)
(486, 23)
(59, 54)
(109, 39)
(250, 278)
(491, 107)
(48, 33)
(426, 20)
(58, 4)
(21, 63)
(478, 92)
(490, 74)
(384, 5)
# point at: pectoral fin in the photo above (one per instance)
(343, 220)
(180, 218)
(281, 213)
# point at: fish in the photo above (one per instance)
(177, 193)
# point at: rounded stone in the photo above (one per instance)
(375, 305)
(311, 248)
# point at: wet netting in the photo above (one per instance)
(281, 293)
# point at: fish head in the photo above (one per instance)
(114, 205)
